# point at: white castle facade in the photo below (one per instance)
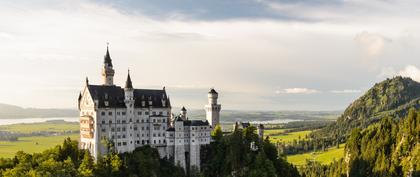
(132, 118)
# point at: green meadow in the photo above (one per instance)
(32, 144)
(280, 136)
(37, 143)
(325, 157)
(59, 126)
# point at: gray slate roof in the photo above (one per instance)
(115, 97)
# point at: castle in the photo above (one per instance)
(132, 118)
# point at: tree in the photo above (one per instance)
(217, 133)
(86, 167)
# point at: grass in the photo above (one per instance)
(323, 157)
(37, 127)
(288, 137)
(32, 144)
(273, 131)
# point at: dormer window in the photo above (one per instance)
(106, 103)
(106, 96)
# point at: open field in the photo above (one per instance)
(288, 137)
(59, 126)
(322, 157)
(273, 131)
(32, 144)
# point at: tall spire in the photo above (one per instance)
(107, 58)
(107, 70)
(128, 83)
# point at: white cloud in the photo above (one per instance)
(408, 71)
(372, 43)
(411, 71)
(296, 91)
(346, 91)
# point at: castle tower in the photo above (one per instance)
(183, 113)
(107, 70)
(212, 108)
(261, 131)
(129, 103)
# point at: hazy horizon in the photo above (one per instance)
(258, 54)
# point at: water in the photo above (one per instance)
(36, 120)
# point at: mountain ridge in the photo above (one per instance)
(391, 97)
(8, 111)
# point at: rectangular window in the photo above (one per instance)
(139, 113)
(123, 113)
(102, 113)
(110, 113)
(147, 113)
(118, 113)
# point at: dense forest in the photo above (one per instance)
(387, 148)
(241, 153)
(391, 97)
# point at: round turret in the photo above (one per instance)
(213, 95)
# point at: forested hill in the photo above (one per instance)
(10, 112)
(387, 148)
(391, 97)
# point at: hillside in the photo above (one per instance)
(391, 97)
(11, 112)
(387, 148)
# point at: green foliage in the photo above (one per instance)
(232, 155)
(69, 161)
(388, 148)
(392, 97)
(217, 133)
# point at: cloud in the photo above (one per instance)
(346, 91)
(297, 91)
(373, 43)
(410, 71)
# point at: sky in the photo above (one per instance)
(258, 54)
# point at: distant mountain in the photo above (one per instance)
(11, 112)
(391, 97)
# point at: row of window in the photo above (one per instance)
(103, 113)
(155, 120)
(135, 128)
(143, 142)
